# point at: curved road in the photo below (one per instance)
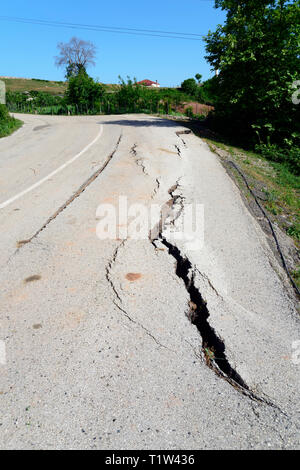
(136, 338)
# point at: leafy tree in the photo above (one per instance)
(257, 54)
(83, 91)
(73, 69)
(129, 94)
(189, 87)
(206, 93)
(198, 77)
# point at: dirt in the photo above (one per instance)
(196, 107)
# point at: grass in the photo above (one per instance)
(9, 126)
(280, 187)
(22, 84)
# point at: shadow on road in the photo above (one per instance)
(142, 122)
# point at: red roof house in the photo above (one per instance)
(149, 83)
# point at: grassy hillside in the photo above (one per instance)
(24, 84)
(48, 86)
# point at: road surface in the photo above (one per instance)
(123, 335)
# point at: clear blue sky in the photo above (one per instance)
(28, 50)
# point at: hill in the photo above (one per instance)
(29, 84)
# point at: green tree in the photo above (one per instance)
(129, 94)
(73, 69)
(189, 87)
(257, 54)
(198, 77)
(83, 91)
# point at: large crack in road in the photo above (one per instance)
(213, 347)
(75, 195)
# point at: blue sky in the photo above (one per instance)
(28, 50)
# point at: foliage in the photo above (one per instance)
(8, 124)
(198, 77)
(72, 70)
(28, 101)
(129, 94)
(190, 87)
(257, 54)
(4, 114)
(85, 96)
(206, 93)
(289, 156)
(83, 90)
(202, 92)
(189, 111)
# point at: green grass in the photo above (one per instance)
(9, 125)
(280, 186)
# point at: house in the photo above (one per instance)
(149, 83)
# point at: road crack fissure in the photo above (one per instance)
(178, 150)
(81, 189)
(138, 161)
(156, 188)
(109, 267)
(213, 347)
(180, 133)
(168, 212)
(141, 326)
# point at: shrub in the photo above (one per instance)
(189, 111)
(83, 91)
(289, 156)
(4, 115)
(8, 124)
(190, 87)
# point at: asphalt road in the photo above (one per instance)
(114, 342)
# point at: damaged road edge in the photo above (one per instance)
(213, 348)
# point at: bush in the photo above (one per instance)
(4, 115)
(30, 101)
(8, 124)
(83, 91)
(190, 87)
(290, 157)
(189, 111)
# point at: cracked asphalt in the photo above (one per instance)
(106, 343)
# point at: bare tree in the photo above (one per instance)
(75, 55)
